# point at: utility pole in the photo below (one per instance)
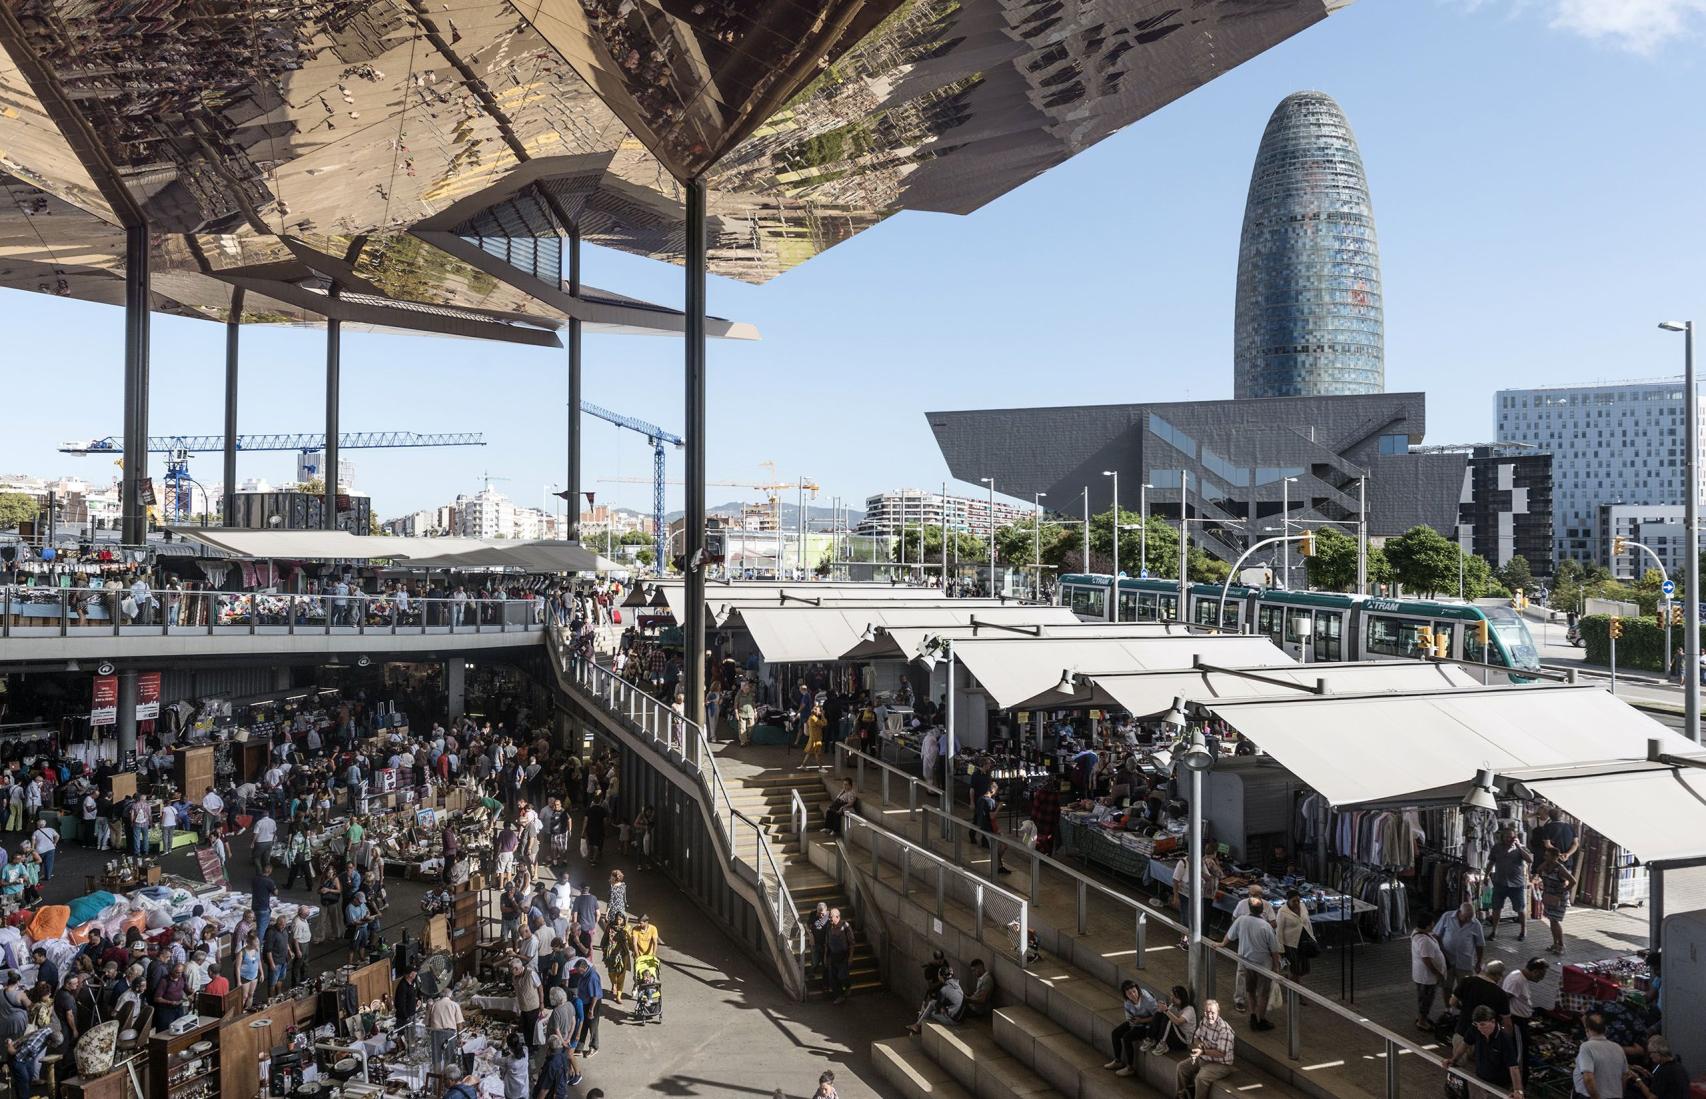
(1114, 593)
(1037, 533)
(1362, 535)
(1184, 545)
(944, 536)
(1086, 530)
(991, 483)
(1285, 528)
(1143, 530)
(1691, 519)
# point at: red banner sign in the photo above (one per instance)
(148, 696)
(103, 705)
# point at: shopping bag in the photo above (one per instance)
(1276, 998)
(1536, 905)
(585, 849)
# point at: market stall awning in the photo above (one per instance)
(437, 553)
(801, 634)
(1385, 748)
(1012, 670)
(1656, 811)
(907, 642)
(1145, 694)
(721, 599)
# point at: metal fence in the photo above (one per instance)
(1354, 1041)
(128, 612)
(684, 743)
(997, 913)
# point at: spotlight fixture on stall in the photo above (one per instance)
(1481, 795)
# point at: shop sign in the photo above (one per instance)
(148, 696)
(103, 704)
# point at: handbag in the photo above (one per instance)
(616, 617)
(584, 848)
(1307, 947)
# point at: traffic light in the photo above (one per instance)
(1676, 616)
(1618, 545)
(1442, 644)
(1616, 626)
(1306, 544)
(1425, 639)
(1482, 633)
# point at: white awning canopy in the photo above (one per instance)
(907, 642)
(1387, 748)
(795, 634)
(723, 599)
(1657, 812)
(434, 553)
(1014, 670)
(1145, 694)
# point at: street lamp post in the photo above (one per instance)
(1285, 527)
(1143, 529)
(1362, 535)
(1197, 759)
(1037, 534)
(1691, 519)
(1114, 611)
(1086, 530)
(991, 482)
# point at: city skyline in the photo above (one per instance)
(1535, 280)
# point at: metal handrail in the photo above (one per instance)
(798, 816)
(914, 783)
(979, 886)
(1292, 990)
(627, 701)
(1395, 1042)
(322, 612)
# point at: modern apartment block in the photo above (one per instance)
(1611, 443)
(887, 512)
(1658, 526)
(1506, 508)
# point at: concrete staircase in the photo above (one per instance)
(767, 798)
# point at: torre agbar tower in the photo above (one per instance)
(1309, 308)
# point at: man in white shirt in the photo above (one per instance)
(1520, 986)
(1257, 945)
(1259, 895)
(443, 1019)
(46, 841)
(212, 813)
(1601, 1064)
(266, 831)
(1427, 970)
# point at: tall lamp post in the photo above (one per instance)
(1691, 519)
(990, 481)
(1197, 760)
(1037, 535)
(1114, 594)
(1285, 527)
(1143, 530)
(1086, 530)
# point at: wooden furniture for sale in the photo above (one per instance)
(175, 1071)
(192, 770)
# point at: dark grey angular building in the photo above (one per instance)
(1506, 510)
(1240, 461)
(1309, 314)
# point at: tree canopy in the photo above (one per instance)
(17, 508)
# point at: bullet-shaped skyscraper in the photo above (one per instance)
(1309, 319)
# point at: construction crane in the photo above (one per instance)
(657, 436)
(178, 449)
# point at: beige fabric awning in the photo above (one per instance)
(436, 553)
(1659, 812)
(1145, 694)
(797, 634)
(907, 642)
(722, 599)
(1385, 748)
(1014, 670)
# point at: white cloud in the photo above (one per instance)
(1641, 26)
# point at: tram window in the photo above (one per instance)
(1268, 619)
(1395, 636)
(1204, 613)
(1475, 651)
(1128, 606)
(1327, 633)
(1169, 605)
(1090, 602)
(1146, 606)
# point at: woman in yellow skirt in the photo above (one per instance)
(814, 737)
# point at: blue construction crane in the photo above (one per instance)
(657, 436)
(178, 448)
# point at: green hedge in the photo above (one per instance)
(1641, 646)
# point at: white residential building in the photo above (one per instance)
(887, 512)
(1657, 526)
(1612, 443)
(486, 514)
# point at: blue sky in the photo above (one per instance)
(1536, 168)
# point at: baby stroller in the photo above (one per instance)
(648, 990)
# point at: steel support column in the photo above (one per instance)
(233, 329)
(693, 533)
(572, 516)
(329, 462)
(133, 514)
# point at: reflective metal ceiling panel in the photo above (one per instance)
(257, 136)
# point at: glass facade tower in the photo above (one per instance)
(1308, 318)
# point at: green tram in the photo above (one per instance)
(1315, 626)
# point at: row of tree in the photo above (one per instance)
(1421, 559)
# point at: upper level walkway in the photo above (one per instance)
(60, 624)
